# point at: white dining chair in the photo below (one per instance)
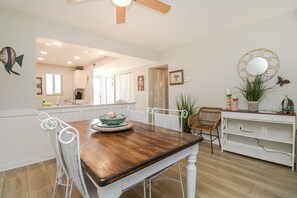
(69, 140)
(53, 126)
(139, 114)
(170, 119)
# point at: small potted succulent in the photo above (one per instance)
(253, 90)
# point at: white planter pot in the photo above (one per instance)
(253, 106)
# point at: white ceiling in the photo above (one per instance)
(60, 55)
(104, 64)
(188, 20)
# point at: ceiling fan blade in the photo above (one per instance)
(121, 15)
(156, 5)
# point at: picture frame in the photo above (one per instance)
(38, 80)
(39, 85)
(176, 77)
(140, 83)
(39, 90)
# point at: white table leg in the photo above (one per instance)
(191, 172)
(113, 190)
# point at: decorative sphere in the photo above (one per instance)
(111, 115)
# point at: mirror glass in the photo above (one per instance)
(257, 66)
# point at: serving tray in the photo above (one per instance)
(99, 127)
(100, 124)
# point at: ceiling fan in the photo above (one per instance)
(121, 6)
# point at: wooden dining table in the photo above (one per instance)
(117, 160)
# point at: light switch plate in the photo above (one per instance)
(187, 79)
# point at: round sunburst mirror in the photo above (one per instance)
(258, 62)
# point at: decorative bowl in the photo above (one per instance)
(112, 121)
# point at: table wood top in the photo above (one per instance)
(108, 157)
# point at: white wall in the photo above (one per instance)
(141, 97)
(18, 92)
(89, 89)
(211, 64)
(67, 82)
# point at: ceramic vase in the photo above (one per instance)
(253, 106)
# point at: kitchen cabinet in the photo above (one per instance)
(79, 79)
(269, 137)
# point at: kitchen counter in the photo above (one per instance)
(65, 106)
(71, 113)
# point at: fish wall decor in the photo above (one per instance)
(8, 58)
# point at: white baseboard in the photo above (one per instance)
(5, 167)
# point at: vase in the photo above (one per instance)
(253, 106)
(235, 103)
(228, 99)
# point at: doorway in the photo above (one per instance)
(158, 87)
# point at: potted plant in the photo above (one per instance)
(185, 102)
(253, 90)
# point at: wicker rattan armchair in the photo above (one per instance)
(206, 120)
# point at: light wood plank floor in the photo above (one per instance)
(221, 175)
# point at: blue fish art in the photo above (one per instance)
(8, 58)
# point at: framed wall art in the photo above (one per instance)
(176, 77)
(140, 83)
(39, 85)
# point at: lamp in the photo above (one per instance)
(122, 3)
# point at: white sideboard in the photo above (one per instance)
(269, 137)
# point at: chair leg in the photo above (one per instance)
(219, 137)
(150, 188)
(71, 189)
(144, 190)
(67, 186)
(211, 143)
(54, 193)
(180, 180)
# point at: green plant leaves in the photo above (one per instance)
(254, 90)
(185, 102)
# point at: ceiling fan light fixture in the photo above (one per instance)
(122, 3)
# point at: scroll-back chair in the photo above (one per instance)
(170, 119)
(206, 120)
(139, 114)
(69, 139)
(70, 147)
(52, 125)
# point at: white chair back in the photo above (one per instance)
(53, 125)
(139, 114)
(169, 118)
(69, 139)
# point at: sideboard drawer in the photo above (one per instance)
(259, 117)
